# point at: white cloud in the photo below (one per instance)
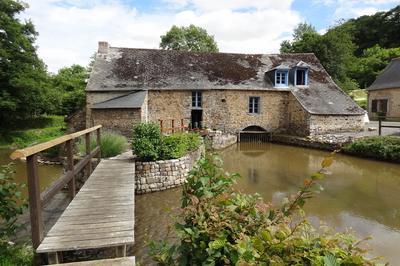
(69, 30)
(355, 8)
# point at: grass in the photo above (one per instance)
(32, 132)
(360, 97)
(382, 148)
(112, 144)
(15, 254)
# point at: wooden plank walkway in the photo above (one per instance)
(100, 215)
(128, 261)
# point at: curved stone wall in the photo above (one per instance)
(161, 175)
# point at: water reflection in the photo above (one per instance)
(361, 194)
(47, 173)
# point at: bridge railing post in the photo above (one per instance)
(70, 167)
(89, 167)
(35, 206)
(98, 138)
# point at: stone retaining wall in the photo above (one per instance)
(221, 140)
(161, 175)
(329, 142)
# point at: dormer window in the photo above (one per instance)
(281, 75)
(301, 77)
(301, 74)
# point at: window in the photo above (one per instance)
(379, 106)
(281, 78)
(254, 105)
(196, 99)
(301, 77)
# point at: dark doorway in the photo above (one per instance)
(196, 119)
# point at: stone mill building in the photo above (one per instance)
(280, 93)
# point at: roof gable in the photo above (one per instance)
(389, 78)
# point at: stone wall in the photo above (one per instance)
(323, 124)
(298, 119)
(161, 175)
(118, 120)
(220, 140)
(225, 110)
(393, 97)
(96, 97)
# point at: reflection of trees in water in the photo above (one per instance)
(361, 187)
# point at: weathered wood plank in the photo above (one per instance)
(100, 215)
(127, 261)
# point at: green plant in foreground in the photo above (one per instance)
(112, 144)
(219, 226)
(12, 205)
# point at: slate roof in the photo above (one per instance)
(389, 78)
(127, 69)
(131, 100)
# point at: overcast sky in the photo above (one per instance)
(70, 29)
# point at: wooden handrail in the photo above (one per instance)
(46, 145)
(36, 199)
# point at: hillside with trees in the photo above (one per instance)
(355, 51)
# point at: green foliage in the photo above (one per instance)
(219, 226)
(15, 254)
(112, 144)
(146, 141)
(377, 147)
(370, 64)
(192, 38)
(70, 83)
(353, 52)
(24, 90)
(33, 131)
(10, 202)
(150, 145)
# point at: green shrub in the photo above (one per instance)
(219, 226)
(112, 144)
(377, 147)
(12, 205)
(150, 145)
(146, 141)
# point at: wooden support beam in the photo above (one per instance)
(120, 251)
(98, 138)
(35, 208)
(89, 168)
(173, 125)
(70, 167)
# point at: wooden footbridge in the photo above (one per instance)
(100, 215)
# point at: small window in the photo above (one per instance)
(301, 77)
(254, 105)
(281, 78)
(379, 106)
(374, 106)
(196, 99)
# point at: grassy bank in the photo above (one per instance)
(33, 131)
(381, 148)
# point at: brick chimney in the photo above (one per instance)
(103, 48)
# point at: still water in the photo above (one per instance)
(47, 173)
(360, 194)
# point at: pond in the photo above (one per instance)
(360, 194)
(47, 173)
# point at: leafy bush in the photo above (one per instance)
(219, 226)
(11, 206)
(149, 144)
(146, 141)
(377, 147)
(112, 144)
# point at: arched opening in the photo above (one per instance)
(254, 128)
(254, 134)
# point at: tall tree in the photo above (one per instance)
(70, 83)
(192, 38)
(23, 76)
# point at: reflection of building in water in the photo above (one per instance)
(253, 175)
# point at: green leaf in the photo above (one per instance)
(330, 260)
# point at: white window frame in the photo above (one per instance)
(281, 73)
(306, 76)
(197, 99)
(251, 108)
